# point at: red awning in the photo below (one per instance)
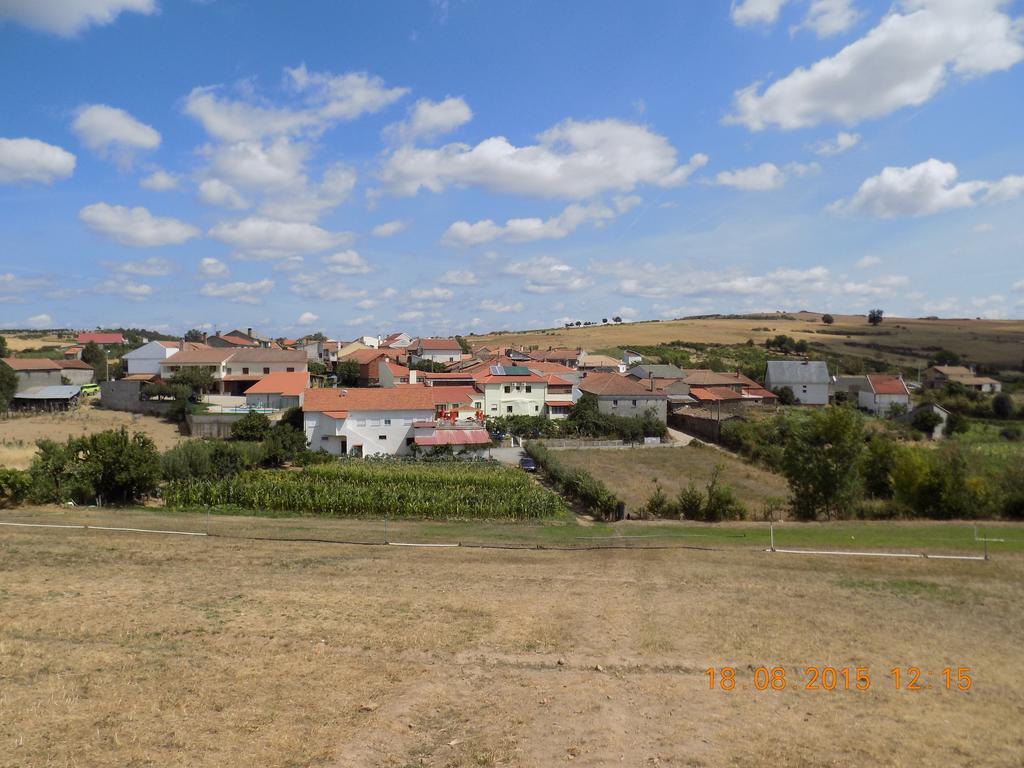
(558, 403)
(455, 437)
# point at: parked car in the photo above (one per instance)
(89, 389)
(527, 464)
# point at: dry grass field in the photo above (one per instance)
(18, 434)
(631, 473)
(904, 341)
(34, 341)
(124, 649)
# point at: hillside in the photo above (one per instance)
(900, 341)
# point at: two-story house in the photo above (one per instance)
(512, 391)
(435, 350)
(624, 395)
(234, 370)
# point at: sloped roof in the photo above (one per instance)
(548, 366)
(714, 394)
(783, 372)
(288, 384)
(440, 344)
(603, 361)
(31, 364)
(657, 371)
(556, 354)
(76, 364)
(207, 356)
(53, 392)
(887, 385)
(413, 398)
(364, 356)
(606, 384)
(952, 370)
(99, 337)
(453, 394)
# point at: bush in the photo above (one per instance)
(716, 503)
(14, 486)
(925, 421)
(690, 502)
(658, 505)
(785, 395)
(821, 462)
(1013, 434)
(209, 459)
(282, 445)
(877, 466)
(827, 319)
(253, 427)
(577, 484)
(1002, 406)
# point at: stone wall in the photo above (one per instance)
(123, 395)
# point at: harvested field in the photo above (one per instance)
(126, 649)
(898, 340)
(18, 434)
(631, 473)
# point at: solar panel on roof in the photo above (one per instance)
(497, 370)
(517, 370)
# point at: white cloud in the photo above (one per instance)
(367, 304)
(326, 99)
(493, 306)
(868, 261)
(924, 189)
(135, 226)
(571, 160)
(210, 267)
(257, 164)
(388, 228)
(159, 181)
(307, 318)
(346, 263)
(831, 17)
(624, 203)
(361, 320)
(109, 131)
(431, 294)
(626, 313)
(258, 237)
(1019, 286)
(547, 274)
(40, 321)
(322, 285)
(239, 293)
(526, 230)
(746, 12)
(430, 119)
(842, 142)
(154, 266)
(412, 315)
(23, 160)
(221, 194)
(458, 277)
(759, 177)
(904, 61)
(69, 18)
(126, 289)
(309, 201)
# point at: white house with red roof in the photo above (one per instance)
(882, 393)
(146, 359)
(435, 350)
(366, 422)
(278, 391)
(511, 390)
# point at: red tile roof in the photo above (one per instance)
(759, 392)
(615, 384)
(76, 364)
(440, 344)
(714, 394)
(31, 364)
(99, 338)
(546, 366)
(887, 385)
(287, 384)
(455, 437)
(489, 378)
(411, 398)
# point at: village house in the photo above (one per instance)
(512, 391)
(435, 350)
(237, 338)
(809, 380)
(278, 391)
(368, 361)
(940, 428)
(559, 398)
(602, 363)
(631, 358)
(76, 372)
(624, 395)
(234, 370)
(567, 357)
(34, 372)
(884, 393)
(939, 376)
(146, 359)
(399, 340)
(101, 338)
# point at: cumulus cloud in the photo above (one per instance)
(112, 132)
(239, 293)
(547, 274)
(458, 277)
(759, 177)
(211, 267)
(842, 142)
(430, 119)
(526, 230)
(68, 19)
(903, 61)
(571, 160)
(40, 321)
(126, 289)
(323, 100)
(31, 160)
(495, 306)
(154, 266)
(831, 17)
(388, 228)
(307, 318)
(346, 263)
(868, 261)
(431, 294)
(747, 12)
(221, 194)
(925, 189)
(323, 285)
(261, 238)
(159, 181)
(135, 226)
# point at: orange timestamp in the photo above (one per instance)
(827, 678)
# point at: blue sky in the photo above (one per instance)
(466, 166)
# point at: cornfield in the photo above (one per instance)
(438, 490)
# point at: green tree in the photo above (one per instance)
(877, 466)
(875, 316)
(821, 461)
(428, 365)
(97, 358)
(282, 444)
(8, 385)
(347, 372)
(4, 351)
(196, 378)
(827, 319)
(466, 349)
(785, 395)
(316, 368)
(194, 335)
(1002, 406)
(252, 427)
(925, 420)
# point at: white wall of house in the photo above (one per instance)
(146, 359)
(235, 368)
(522, 399)
(366, 432)
(880, 404)
(78, 375)
(807, 394)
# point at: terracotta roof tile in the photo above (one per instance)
(411, 398)
(287, 384)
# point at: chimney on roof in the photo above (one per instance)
(248, 332)
(204, 337)
(412, 376)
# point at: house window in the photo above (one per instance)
(290, 370)
(529, 389)
(634, 403)
(409, 441)
(615, 403)
(536, 407)
(229, 371)
(494, 408)
(323, 438)
(245, 371)
(508, 389)
(387, 422)
(477, 405)
(382, 437)
(508, 409)
(266, 370)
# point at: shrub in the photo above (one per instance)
(925, 420)
(209, 459)
(690, 502)
(1002, 406)
(1013, 433)
(577, 484)
(15, 485)
(785, 395)
(722, 503)
(282, 444)
(252, 427)
(821, 461)
(658, 505)
(827, 319)
(877, 466)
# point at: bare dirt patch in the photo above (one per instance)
(19, 434)
(125, 649)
